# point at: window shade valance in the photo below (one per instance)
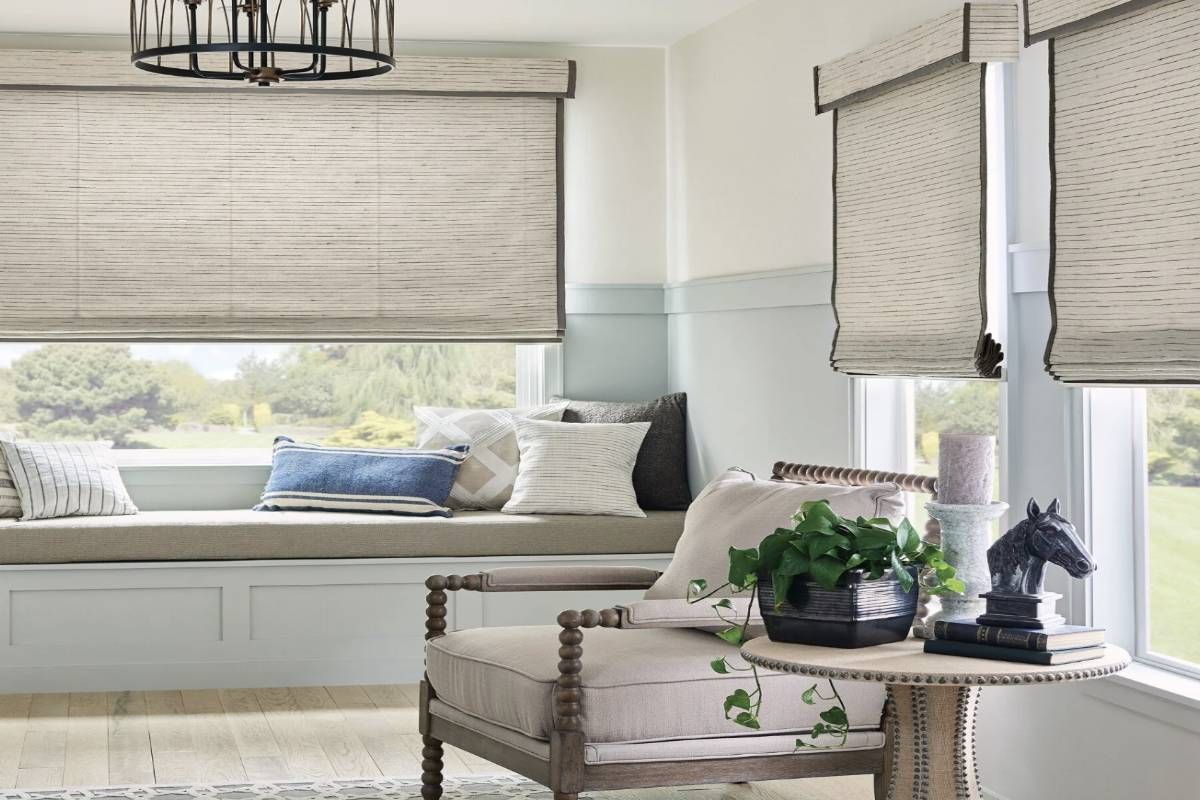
(1125, 167)
(910, 261)
(128, 214)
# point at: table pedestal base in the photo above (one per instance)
(927, 762)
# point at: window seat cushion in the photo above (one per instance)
(249, 535)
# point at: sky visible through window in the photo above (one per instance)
(174, 396)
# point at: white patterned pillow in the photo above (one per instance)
(567, 468)
(485, 480)
(66, 480)
(10, 501)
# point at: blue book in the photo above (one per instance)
(945, 647)
(1063, 637)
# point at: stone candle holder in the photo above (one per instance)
(966, 463)
(966, 536)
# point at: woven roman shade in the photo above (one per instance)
(425, 209)
(910, 260)
(1125, 167)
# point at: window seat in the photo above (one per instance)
(244, 535)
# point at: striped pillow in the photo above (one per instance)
(569, 468)
(66, 480)
(309, 477)
(10, 501)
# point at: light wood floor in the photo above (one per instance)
(210, 736)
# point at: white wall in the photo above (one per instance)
(749, 191)
(750, 162)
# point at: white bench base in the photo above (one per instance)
(202, 625)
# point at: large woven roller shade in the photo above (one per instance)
(1125, 163)
(137, 213)
(910, 260)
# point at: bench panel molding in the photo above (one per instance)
(248, 623)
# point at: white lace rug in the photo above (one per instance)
(481, 788)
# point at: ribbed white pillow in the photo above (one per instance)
(66, 480)
(570, 468)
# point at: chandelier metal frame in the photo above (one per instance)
(253, 59)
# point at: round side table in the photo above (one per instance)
(932, 702)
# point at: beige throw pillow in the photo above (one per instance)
(735, 510)
(577, 469)
(485, 480)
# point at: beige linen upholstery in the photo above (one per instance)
(677, 613)
(735, 510)
(523, 579)
(673, 750)
(638, 685)
(250, 535)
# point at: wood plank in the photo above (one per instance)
(217, 757)
(39, 778)
(296, 737)
(48, 711)
(250, 728)
(266, 768)
(130, 759)
(87, 740)
(387, 749)
(171, 744)
(400, 713)
(342, 746)
(14, 719)
(45, 749)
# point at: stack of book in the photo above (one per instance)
(1065, 644)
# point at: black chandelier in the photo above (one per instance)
(243, 39)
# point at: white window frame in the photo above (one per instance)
(1116, 484)
(539, 378)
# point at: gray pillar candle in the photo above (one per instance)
(965, 465)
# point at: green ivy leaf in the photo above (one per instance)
(902, 574)
(719, 666)
(747, 720)
(725, 603)
(827, 570)
(809, 696)
(739, 699)
(732, 635)
(954, 585)
(696, 586)
(907, 538)
(835, 716)
(781, 583)
(820, 544)
(743, 567)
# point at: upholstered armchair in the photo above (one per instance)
(625, 697)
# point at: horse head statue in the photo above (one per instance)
(1018, 559)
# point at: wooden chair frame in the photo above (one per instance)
(565, 771)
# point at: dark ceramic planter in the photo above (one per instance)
(858, 613)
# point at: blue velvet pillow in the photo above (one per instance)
(309, 477)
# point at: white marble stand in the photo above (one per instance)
(966, 536)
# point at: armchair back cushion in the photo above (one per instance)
(737, 510)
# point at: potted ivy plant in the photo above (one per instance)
(834, 581)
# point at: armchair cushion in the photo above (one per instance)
(638, 685)
(736, 510)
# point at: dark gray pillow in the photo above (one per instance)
(660, 476)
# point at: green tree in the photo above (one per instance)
(8, 398)
(191, 394)
(375, 430)
(98, 393)
(1173, 431)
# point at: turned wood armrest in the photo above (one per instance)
(529, 579)
(567, 695)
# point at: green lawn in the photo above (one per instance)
(1174, 564)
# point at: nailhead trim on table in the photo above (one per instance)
(965, 679)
